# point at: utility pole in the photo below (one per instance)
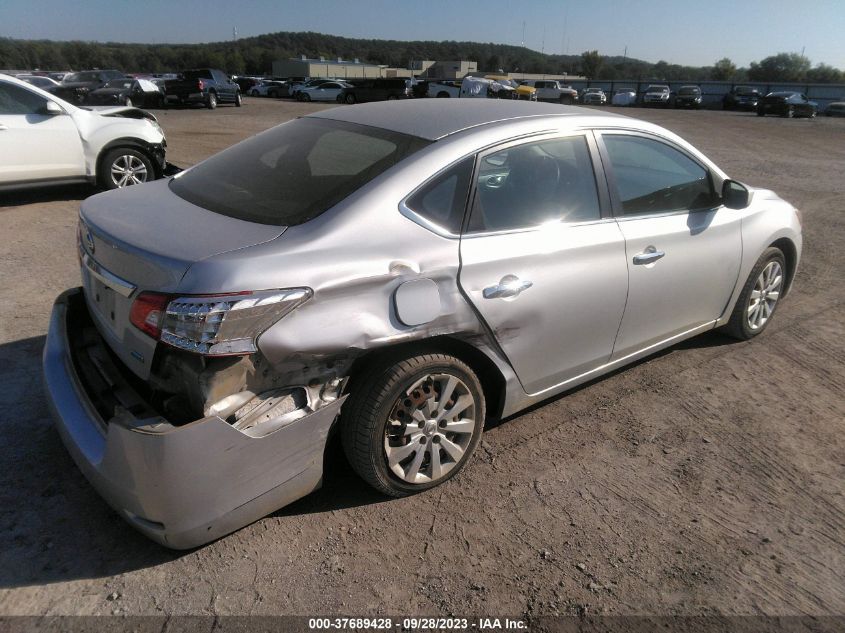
(234, 33)
(523, 33)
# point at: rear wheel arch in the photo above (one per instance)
(492, 381)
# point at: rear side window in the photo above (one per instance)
(293, 172)
(443, 200)
(653, 177)
(528, 185)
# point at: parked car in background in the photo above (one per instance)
(207, 86)
(741, 98)
(519, 91)
(142, 93)
(267, 88)
(246, 84)
(688, 97)
(483, 88)
(624, 98)
(325, 91)
(788, 104)
(364, 90)
(329, 274)
(45, 83)
(75, 87)
(551, 90)
(296, 87)
(656, 95)
(444, 89)
(593, 96)
(47, 140)
(837, 108)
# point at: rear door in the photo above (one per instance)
(540, 261)
(683, 247)
(36, 145)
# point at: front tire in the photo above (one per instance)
(760, 296)
(238, 100)
(123, 167)
(413, 423)
(350, 99)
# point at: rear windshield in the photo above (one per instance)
(293, 172)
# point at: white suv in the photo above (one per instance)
(550, 90)
(46, 141)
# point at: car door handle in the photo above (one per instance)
(509, 286)
(648, 256)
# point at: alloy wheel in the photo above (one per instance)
(430, 428)
(764, 296)
(128, 170)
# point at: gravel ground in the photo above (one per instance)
(705, 480)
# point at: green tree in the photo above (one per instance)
(723, 70)
(824, 74)
(591, 64)
(789, 67)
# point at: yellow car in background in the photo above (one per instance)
(524, 93)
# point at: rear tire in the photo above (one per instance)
(211, 100)
(238, 100)
(760, 296)
(442, 95)
(391, 430)
(790, 113)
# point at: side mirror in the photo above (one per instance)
(735, 195)
(51, 108)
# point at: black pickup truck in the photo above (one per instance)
(208, 86)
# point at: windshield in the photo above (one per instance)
(657, 89)
(293, 172)
(746, 91)
(119, 83)
(689, 91)
(80, 77)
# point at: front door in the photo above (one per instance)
(542, 266)
(36, 145)
(683, 247)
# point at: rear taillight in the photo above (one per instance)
(214, 325)
(200, 85)
(147, 313)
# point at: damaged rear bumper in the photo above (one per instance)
(181, 486)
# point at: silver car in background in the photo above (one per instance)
(398, 272)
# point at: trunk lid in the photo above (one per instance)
(144, 238)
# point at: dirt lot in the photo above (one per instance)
(705, 480)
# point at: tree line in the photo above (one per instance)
(255, 56)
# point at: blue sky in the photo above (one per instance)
(679, 31)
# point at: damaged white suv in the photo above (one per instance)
(396, 271)
(45, 140)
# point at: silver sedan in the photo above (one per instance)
(400, 272)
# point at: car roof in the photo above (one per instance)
(433, 119)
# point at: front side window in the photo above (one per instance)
(293, 172)
(653, 177)
(531, 184)
(17, 100)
